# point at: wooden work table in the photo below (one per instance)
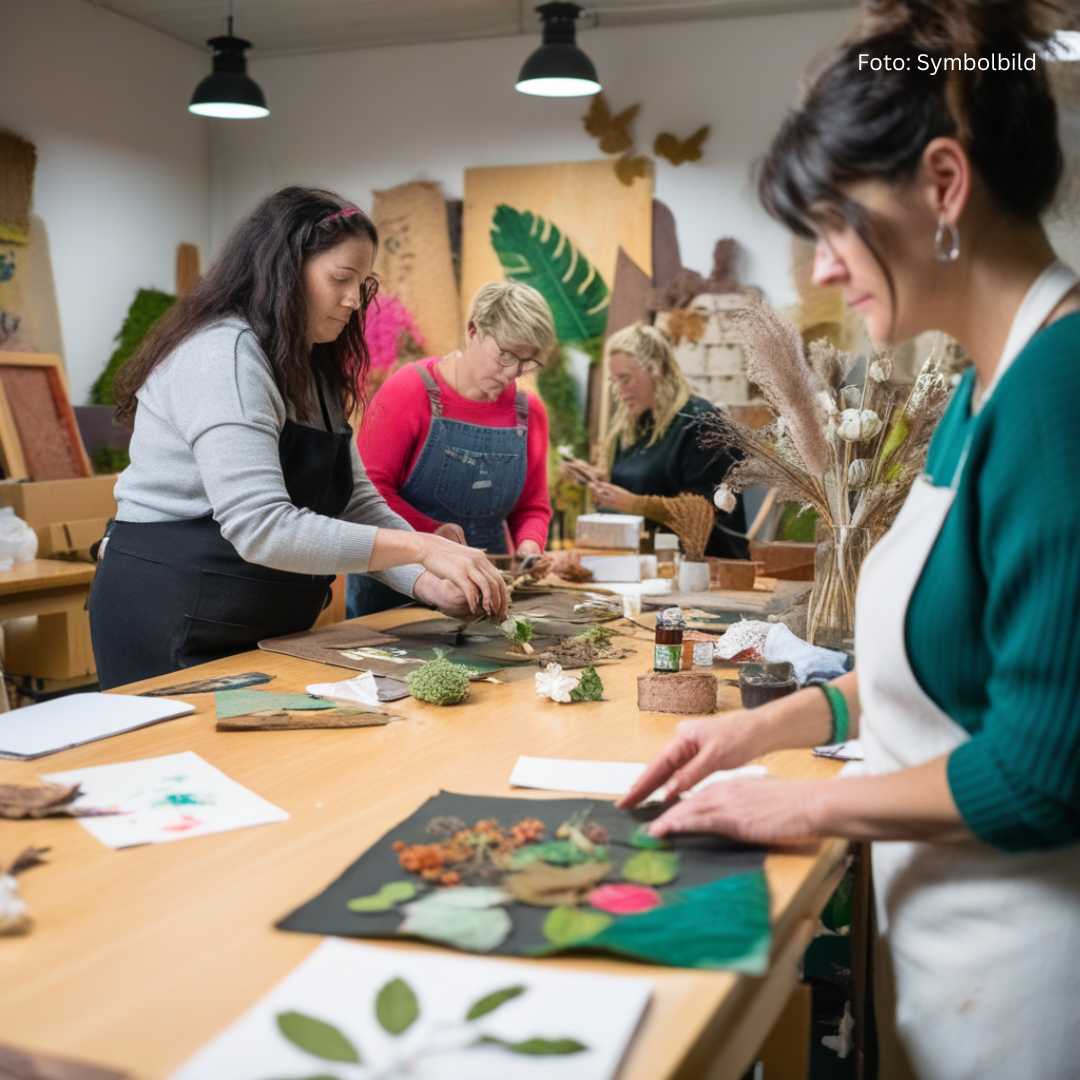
(140, 956)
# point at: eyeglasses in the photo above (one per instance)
(506, 359)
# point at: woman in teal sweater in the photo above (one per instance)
(924, 192)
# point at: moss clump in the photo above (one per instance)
(147, 307)
(597, 636)
(439, 682)
(590, 688)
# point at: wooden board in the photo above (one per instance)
(584, 199)
(41, 315)
(99, 972)
(667, 261)
(47, 434)
(752, 602)
(415, 263)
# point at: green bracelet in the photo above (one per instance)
(841, 720)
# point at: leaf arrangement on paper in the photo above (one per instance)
(533, 877)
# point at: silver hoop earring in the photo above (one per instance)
(946, 242)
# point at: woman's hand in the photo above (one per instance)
(444, 595)
(469, 569)
(766, 811)
(701, 747)
(579, 472)
(540, 565)
(611, 496)
(452, 531)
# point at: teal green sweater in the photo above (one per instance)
(992, 629)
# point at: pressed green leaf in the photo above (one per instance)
(396, 1007)
(651, 867)
(393, 892)
(490, 1002)
(566, 925)
(538, 1047)
(536, 252)
(317, 1037)
(556, 852)
(640, 838)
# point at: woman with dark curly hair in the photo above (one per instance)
(921, 161)
(245, 494)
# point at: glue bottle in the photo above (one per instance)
(667, 646)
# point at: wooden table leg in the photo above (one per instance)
(785, 1054)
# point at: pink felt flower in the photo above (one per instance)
(624, 899)
(388, 322)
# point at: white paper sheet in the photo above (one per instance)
(359, 690)
(600, 777)
(64, 722)
(338, 984)
(164, 799)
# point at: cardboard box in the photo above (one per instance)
(70, 537)
(621, 531)
(616, 568)
(79, 505)
(55, 646)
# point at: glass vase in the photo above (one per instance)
(837, 562)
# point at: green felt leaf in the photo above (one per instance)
(556, 852)
(490, 1002)
(392, 893)
(651, 867)
(536, 252)
(724, 924)
(231, 703)
(640, 838)
(566, 925)
(317, 1037)
(396, 1007)
(474, 930)
(590, 688)
(537, 1047)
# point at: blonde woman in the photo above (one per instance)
(456, 447)
(653, 445)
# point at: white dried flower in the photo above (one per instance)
(827, 403)
(858, 425)
(553, 683)
(724, 499)
(851, 396)
(858, 473)
(881, 369)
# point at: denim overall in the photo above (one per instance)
(467, 474)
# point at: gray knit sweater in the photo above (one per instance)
(206, 442)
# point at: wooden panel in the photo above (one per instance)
(98, 973)
(414, 262)
(584, 199)
(44, 574)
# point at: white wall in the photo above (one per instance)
(123, 170)
(370, 119)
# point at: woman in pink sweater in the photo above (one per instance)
(455, 447)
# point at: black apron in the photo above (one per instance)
(172, 594)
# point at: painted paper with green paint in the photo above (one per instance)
(566, 925)
(651, 867)
(396, 1007)
(391, 894)
(229, 703)
(724, 924)
(317, 1037)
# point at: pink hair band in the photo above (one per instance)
(345, 212)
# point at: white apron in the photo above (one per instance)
(978, 951)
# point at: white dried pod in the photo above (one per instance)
(858, 425)
(858, 473)
(827, 403)
(851, 396)
(881, 369)
(724, 499)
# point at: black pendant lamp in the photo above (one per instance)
(558, 68)
(228, 92)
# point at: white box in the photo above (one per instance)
(609, 531)
(613, 567)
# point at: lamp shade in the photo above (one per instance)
(228, 92)
(558, 68)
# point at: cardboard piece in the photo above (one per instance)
(40, 312)
(325, 645)
(415, 263)
(49, 501)
(666, 259)
(287, 721)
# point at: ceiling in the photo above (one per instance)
(300, 26)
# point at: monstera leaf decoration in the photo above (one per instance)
(538, 253)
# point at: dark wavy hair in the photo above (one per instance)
(858, 124)
(258, 277)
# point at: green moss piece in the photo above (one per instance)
(439, 682)
(651, 867)
(147, 307)
(518, 629)
(391, 894)
(598, 636)
(590, 688)
(564, 926)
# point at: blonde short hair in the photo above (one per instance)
(514, 314)
(651, 350)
